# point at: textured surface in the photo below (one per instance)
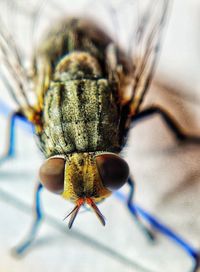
(85, 115)
(167, 178)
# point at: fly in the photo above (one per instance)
(88, 94)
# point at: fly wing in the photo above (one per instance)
(148, 38)
(12, 73)
(14, 76)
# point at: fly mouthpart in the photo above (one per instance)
(80, 202)
(94, 207)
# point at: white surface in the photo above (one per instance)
(167, 178)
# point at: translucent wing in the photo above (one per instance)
(148, 38)
(13, 74)
(26, 21)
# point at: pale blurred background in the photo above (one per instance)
(167, 175)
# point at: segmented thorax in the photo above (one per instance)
(80, 108)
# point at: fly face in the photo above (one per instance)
(84, 178)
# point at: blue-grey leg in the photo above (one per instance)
(184, 138)
(196, 267)
(148, 233)
(171, 123)
(166, 231)
(10, 149)
(25, 245)
(157, 225)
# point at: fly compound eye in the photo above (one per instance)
(52, 174)
(114, 171)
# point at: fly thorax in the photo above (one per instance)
(77, 65)
(82, 178)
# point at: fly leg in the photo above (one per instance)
(10, 149)
(196, 263)
(148, 233)
(184, 138)
(25, 245)
(160, 227)
(171, 123)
